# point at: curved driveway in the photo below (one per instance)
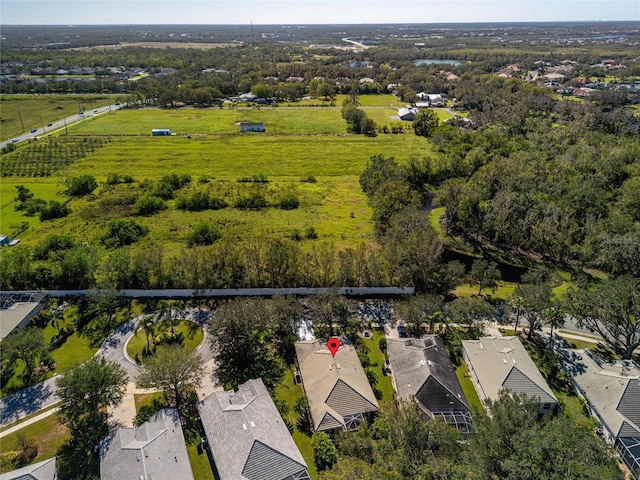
(35, 398)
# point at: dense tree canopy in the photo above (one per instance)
(242, 337)
(611, 309)
(173, 369)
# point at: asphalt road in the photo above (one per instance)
(60, 124)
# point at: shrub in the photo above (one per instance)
(310, 233)
(54, 210)
(254, 202)
(260, 178)
(123, 232)
(81, 186)
(127, 179)
(149, 205)
(216, 203)
(113, 179)
(197, 202)
(309, 179)
(203, 234)
(295, 235)
(289, 201)
(52, 243)
(163, 191)
(325, 453)
(31, 206)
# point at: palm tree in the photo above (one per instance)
(148, 323)
(517, 304)
(554, 317)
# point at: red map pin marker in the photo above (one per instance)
(333, 344)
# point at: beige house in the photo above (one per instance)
(502, 363)
(337, 387)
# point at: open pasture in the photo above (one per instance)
(277, 120)
(334, 205)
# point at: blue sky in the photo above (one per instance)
(61, 12)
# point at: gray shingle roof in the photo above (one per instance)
(247, 436)
(13, 316)
(501, 363)
(153, 451)
(422, 369)
(337, 386)
(45, 470)
(611, 388)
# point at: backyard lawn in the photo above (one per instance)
(47, 434)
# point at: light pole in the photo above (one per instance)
(20, 115)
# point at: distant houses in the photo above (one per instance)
(337, 388)
(433, 99)
(612, 392)
(407, 114)
(247, 437)
(502, 363)
(154, 450)
(422, 371)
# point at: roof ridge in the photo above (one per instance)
(514, 367)
(352, 388)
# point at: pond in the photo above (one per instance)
(435, 61)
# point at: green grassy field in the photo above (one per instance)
(49, 107)
(335, 206)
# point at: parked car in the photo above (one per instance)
(401, 332)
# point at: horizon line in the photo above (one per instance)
(312, 24)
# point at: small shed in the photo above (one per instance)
(250, 126)
(160, 132)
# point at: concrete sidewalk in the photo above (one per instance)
(28, 422)
(125, 413)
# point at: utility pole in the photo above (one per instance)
(42, 123)
(20, 115)
(66, 131)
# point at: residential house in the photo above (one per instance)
(502, 363)
(247, 437)
(152, 451)
(45, 470)
(612, 392)
(422, 370)
(17, 310)
(407, 114)
(337, 387)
